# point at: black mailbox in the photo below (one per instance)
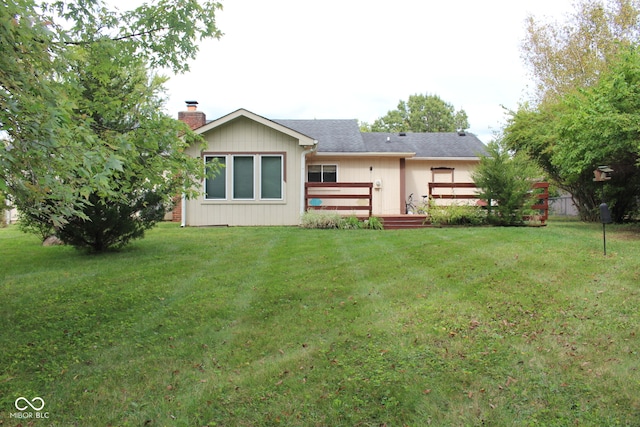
(605, 215)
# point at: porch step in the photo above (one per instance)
(401, 222)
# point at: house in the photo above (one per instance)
(268, 164)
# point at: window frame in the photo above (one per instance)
(222, 174)
(322, 171)
(239, 188)
(229, 174)
(261, 176)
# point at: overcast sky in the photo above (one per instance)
(355, 59)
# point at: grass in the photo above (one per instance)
(298, 327)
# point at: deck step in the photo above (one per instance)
(401, 222)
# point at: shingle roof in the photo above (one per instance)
(435, 144)
(334, 136)
(344, 136)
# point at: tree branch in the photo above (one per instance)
(124, 37)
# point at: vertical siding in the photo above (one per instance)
(419, 175)
(370, 169)
(246, 136)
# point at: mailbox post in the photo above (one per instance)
(602, 174)
(605, 218)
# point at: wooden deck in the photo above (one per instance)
(404, 222)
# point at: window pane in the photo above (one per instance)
(314, 173)
(271, 177)
(243, 177)
(216, 187)
(329, 173)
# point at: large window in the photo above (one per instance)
(243, 174)
(322, 173)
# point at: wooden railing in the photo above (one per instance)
(543, 202)
(452, 185)
(315, 199)
(542, 198)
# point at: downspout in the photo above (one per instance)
(183, 208)
(303, 167)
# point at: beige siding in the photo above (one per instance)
(386, 199)
(245, 136)
(419, 174)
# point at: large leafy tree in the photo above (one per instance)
(601, 126)
(421, 113)
(85, 136)
(579, 117)
(595, 126)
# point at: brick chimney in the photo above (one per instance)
(192, 116)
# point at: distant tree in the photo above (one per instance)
(421, 113)
(563, 56)
(505, 180)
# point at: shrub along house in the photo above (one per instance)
(274, 170)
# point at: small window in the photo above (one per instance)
(216, 187)
(322, 173)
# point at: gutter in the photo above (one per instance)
(442, 159)
(303, 167)
(367, 154)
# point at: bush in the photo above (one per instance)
(31, 225)
(456, 214)
(321, 219)
(326, 220)
(112, 224)
(351, 223)
(374, 223)
(505, 179)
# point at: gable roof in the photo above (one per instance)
(344, 137)
(332, 135)
(303, 139)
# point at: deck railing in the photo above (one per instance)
(350, 196)
(542, 197)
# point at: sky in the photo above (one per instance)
(356, 59)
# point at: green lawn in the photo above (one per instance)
(297, 327)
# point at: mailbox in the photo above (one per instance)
(605, 215)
